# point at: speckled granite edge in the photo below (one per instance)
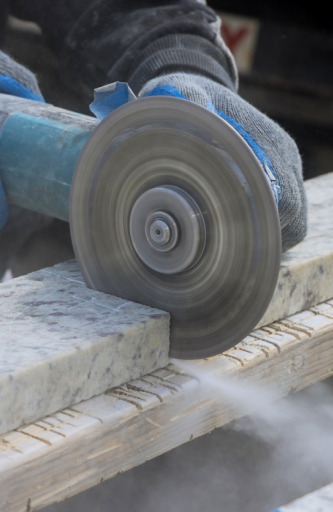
(61, 343)
(306, 274)
(300, 287)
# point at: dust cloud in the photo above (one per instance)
(304, 426)
(277, 453)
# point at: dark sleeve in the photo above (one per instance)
(102, 41)
(3, 19)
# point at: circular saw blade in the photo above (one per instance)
(164, 141)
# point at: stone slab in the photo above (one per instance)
(68, 452)
(306, 274)
(61, 343)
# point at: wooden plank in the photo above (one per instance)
(76, 448)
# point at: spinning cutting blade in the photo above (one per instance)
(170, 208)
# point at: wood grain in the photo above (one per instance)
(76, 448)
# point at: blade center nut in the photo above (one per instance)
(159, 232)
(167, 229)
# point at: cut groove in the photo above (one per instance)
(234, 358)
(136, 388)
(86, 414)
(137, 405)
(35, 437)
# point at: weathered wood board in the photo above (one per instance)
(78, 447)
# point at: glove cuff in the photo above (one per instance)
(185, 53)
(21, 75)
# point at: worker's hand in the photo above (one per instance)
(17, 81)
(274, 148)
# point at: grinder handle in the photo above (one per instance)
(39, 147)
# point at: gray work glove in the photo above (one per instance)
(274, 148)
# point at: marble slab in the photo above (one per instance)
(61, 343)
(306, 274)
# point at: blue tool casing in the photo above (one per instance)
(39, 148)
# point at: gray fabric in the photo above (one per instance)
(20, 226)
(181, 52)
(276, 144)
(102, 41)
(8, 67)
(108, 40)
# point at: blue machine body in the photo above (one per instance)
(39, 148)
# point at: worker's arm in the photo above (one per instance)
(102, 41)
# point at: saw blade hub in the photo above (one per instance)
(159, 232)
(167, 229)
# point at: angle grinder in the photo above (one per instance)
(168, 206)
